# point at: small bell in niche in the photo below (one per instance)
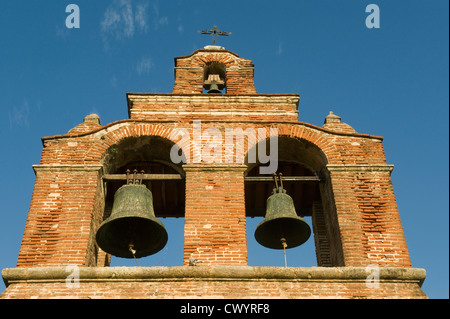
(214, 77)
(214, 83)
(281, 228)
(132, 230)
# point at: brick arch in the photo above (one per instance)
(117, 133)
(189, 72)
(314, 153)
(316, 137)
(313, 137)
(225, 58)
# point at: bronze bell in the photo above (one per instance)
(214, 88)
(132, 230)
(214, 83)
(281, 227)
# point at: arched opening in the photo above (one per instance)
(214, 77)
(303, 195)
(151, 155)
(303, 166)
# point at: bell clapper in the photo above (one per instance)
(130, 248)
(284, 244)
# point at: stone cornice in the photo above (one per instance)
(66, 168)
(172, 121)
(360, 168)
(228, 99)
(205, 273)
(214, 167)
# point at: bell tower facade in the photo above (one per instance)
(208, 152)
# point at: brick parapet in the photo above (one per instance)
(190, 71)
(369, 222)
(215, 223)
(65, 210)
(185, 107)
(89, 148)
(231, 282)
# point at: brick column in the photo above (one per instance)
(367, 215)
(215, 224)
(66, 207)
(321, 236)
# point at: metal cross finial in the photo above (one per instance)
(214, 32)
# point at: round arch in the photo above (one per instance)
(289, 149)
(294, 157)
(145, 147)
(151, 154)
(138, 149)
(299, 157)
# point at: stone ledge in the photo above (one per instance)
(63, 167)
(211, 273)
(262, 99)
(225, 112)
(214, 167)
(360, 168)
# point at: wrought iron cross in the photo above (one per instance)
(214, 32)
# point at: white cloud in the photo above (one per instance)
(144, 66)
(110, 21)
(19, 115)
(141, 16)
(113, 81)
(123, 18)
(279, 49)
(128, 18)
(157, 20)
(62, 32)
(163, 21)
(118, 19)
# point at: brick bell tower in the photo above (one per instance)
(197, 149)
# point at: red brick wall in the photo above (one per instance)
(360, 199)
(234, 282)
(188, 288)
(65, 210)
(369, 222)
(214, 230)
(189, 72)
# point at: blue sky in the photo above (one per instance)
(391, 81)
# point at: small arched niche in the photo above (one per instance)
(214, 77)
